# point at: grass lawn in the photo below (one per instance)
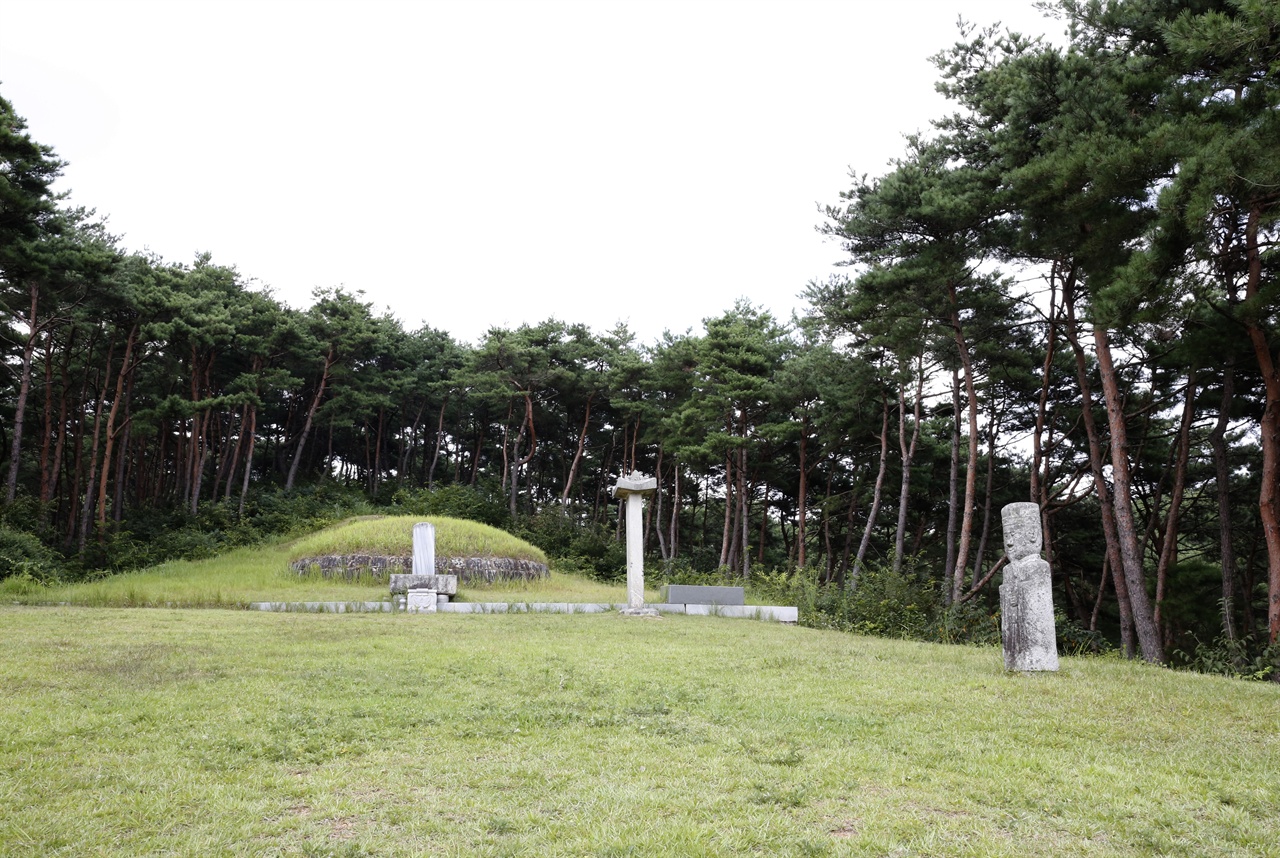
(179, 732)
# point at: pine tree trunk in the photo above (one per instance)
(1096, 468)
(1222, 471)
(744, 512)
(675, 511)
(109, 444)
(24, 387)
(60, 442)
(908, 450)
(953, 492)
(727, 535)
(86, 511)
(1269, 366)
(1169, 547)
(1039, 483)
(980, 555)
(435, 457)
(1143, 619)
(306, 426)
(875, 495)
(802, 492)
(971, 465)
(46, 439)
(662, 536)
(236, 451)
(248, 457)
(577, 454)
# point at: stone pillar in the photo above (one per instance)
(1026, 596)
(424, 548)
(631, 489)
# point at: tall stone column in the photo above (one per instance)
(1026, 596)
(631, 490)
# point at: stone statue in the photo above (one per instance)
(1026, 596)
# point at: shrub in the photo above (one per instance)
(23, 555)
(1075, 639)
(472, 503)
(1242, 658)
(967, 622)
(576, 546)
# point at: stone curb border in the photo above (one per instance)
(772, 613)
(470, 570)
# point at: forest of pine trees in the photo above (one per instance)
(1066, 292)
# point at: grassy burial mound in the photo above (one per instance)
(373, 547)
(262, 573)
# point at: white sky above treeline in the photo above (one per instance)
(478, 164)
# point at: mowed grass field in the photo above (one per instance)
(219, 732)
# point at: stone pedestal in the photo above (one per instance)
(631, 489)
(1026, 596)
(447, 584)
(422, 602)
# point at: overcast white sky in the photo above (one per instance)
(478, 164)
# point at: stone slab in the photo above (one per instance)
(324, 607)
(780, 614)
(634, 483)
(424, 548)
(447, 584)
(698, 594)
(776, 613)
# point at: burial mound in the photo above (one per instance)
(379, 546)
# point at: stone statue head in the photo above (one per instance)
(1022, 534)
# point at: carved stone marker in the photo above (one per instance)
(1026, 596)
(633, 487)
(424, 589)
(424, 548)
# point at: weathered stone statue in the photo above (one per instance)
(1026, 596)
(632, 488)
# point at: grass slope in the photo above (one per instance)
(235, 733)
(393, 535)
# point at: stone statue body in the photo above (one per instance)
(1026, 596)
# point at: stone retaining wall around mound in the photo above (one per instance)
(470, 570)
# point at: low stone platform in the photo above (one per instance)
(774, 613)
(768, 613)
(325, 607)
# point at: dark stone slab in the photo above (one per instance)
(695, 594)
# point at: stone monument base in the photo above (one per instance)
(639, 612)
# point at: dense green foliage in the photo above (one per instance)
(1066, 293)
